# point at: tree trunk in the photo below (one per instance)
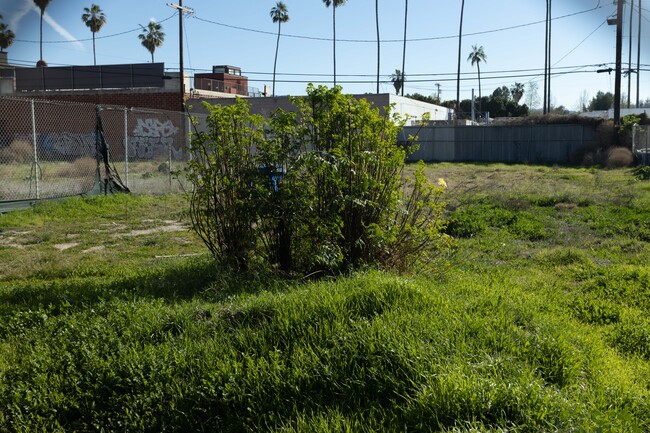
(406, 11)
(378, 43)
(460, 40)
(42, 12)
(94, 56)
(275, 62)
(334, 31)
(478, 67)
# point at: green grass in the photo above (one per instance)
(539, 323)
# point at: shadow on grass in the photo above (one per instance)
(184, 280)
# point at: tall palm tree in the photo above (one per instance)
(42, 5)
(94, 19)
(460, 44)
(6, 36)
(476, 56)
(398, 80)
(406, 12)
(334, 4)
(279, 14)
(152, 37)
(378, 43)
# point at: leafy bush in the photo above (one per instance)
(318, 190)
(642, 172)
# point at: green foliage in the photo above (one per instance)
(322, 191)
(519, 335)
(602, 101)
(227, 184)
(642, 172)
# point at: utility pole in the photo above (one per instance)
(547, 60)
(550, 44)
(617, 79)
(438, 86)
(629, 59)
(181, 10)
(460, 44)
(638, 56)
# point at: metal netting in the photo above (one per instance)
(641, 143)
(47, 149)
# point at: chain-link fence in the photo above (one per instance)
(49, 149)
(640, 137)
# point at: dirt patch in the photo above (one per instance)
(68, 245)
(174, 227)
(94, 249)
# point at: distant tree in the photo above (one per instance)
(517, 92)
(406, 11)
(152, 37)
(334, 4)
(602, 101)
(42, 5)
(460, 44)
(378, 42)
(398, 80)
(6, 36)
(94, 19)
(583, 101)
(279, 14)
(502, 104)
(429, 99)
(532, 95)
(476, 56)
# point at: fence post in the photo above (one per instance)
(35, 160)
(169, 160)
(126, 146)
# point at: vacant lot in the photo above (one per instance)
(114, 318)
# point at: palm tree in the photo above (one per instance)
(378, 43)
(94, 19)
(398, 80)
(152, 37)
(406, 11)
(460, 44)
(476, 57)
(334, 4)
(279, 14)
(6, 36)
(42, 5)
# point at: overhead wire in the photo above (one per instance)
(90, 39)
(374, 41)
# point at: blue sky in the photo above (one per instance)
(241, 33)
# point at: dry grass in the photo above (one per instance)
(618, 157)
(19, 151)
(80, 167)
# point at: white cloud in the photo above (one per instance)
(61, 31)
(22, 9)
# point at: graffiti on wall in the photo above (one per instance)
(150, 139)
(153, 139)
(65, 145)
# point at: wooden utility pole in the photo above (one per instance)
(181, 10)
(617, 75)
(638, 56)
(460, 44)
(629, 59)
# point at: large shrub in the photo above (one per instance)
(318, 190)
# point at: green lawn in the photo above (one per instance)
(114, 318)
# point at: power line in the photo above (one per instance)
(96, 37)
(581, 42)
(374, 41)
